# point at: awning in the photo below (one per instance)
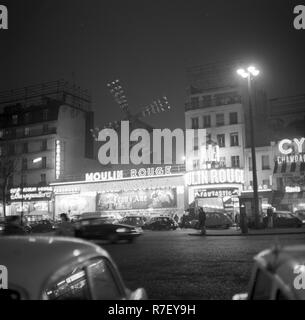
(289, 167)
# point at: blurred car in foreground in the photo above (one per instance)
(300, 214)
(214, 220)
(53, 268)
(42, 226)
(101, 229)
(161, 223)
(136, 221)
(277, 275)
(284, 219)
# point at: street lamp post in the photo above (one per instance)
(250, 74)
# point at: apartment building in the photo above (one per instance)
(44, 137)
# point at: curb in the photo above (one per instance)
(245, 235)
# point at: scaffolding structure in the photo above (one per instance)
(59, 90)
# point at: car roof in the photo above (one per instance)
(32, 260)
(282, 263)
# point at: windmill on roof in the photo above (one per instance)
(157, 106)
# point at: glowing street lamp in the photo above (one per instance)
(250, 73)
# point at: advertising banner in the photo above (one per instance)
(137, 199)
(74, 204)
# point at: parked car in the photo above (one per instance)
(101, 229)
(214, 220)
(161, 223)
(136, 221)
(53, 268)
(42, 226)
(276, 275)
(300, 214)
(1, 227)
(284, 219)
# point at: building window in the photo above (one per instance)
(222, 161)
(235, 162)
(265, 162)
(43, 178)
(196, 147)
(45, 114)
(250, 164)
(266, 182)
(24, 164)
(27, 131)
(280, 183)
(234, 139)
(23, 180)
(195, 123)
(220, 119)
(11, 149)
(206, 121)
(43, 162)
(45, 128)
(221, 140)
(195, 102)
(208, 138)
(15, 119)
(27, 117)
(195, 164)
(25, 147)
(44, 145)
(233, 118)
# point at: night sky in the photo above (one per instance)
(148, 45)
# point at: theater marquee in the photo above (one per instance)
(214, 176)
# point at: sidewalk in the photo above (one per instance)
(251, 232)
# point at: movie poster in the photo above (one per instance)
(138, 199)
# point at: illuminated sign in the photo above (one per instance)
(215, 176)
(208, 158)
(133, 173)
(292, 189)
(137, 199)
(66, 190)
(292, 151)
(57, 159)
(295, 158)
(216, 193)
(287, 146)
(31, 193)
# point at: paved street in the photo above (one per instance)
(174, 265)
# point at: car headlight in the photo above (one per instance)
(303, 221)
(1, 228)
(121, 230)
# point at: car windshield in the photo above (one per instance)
(301, 214)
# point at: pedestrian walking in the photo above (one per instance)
(270, 217)
(14, 226)
(202, 221)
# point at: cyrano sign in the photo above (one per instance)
(292, 150)
(287, 146)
